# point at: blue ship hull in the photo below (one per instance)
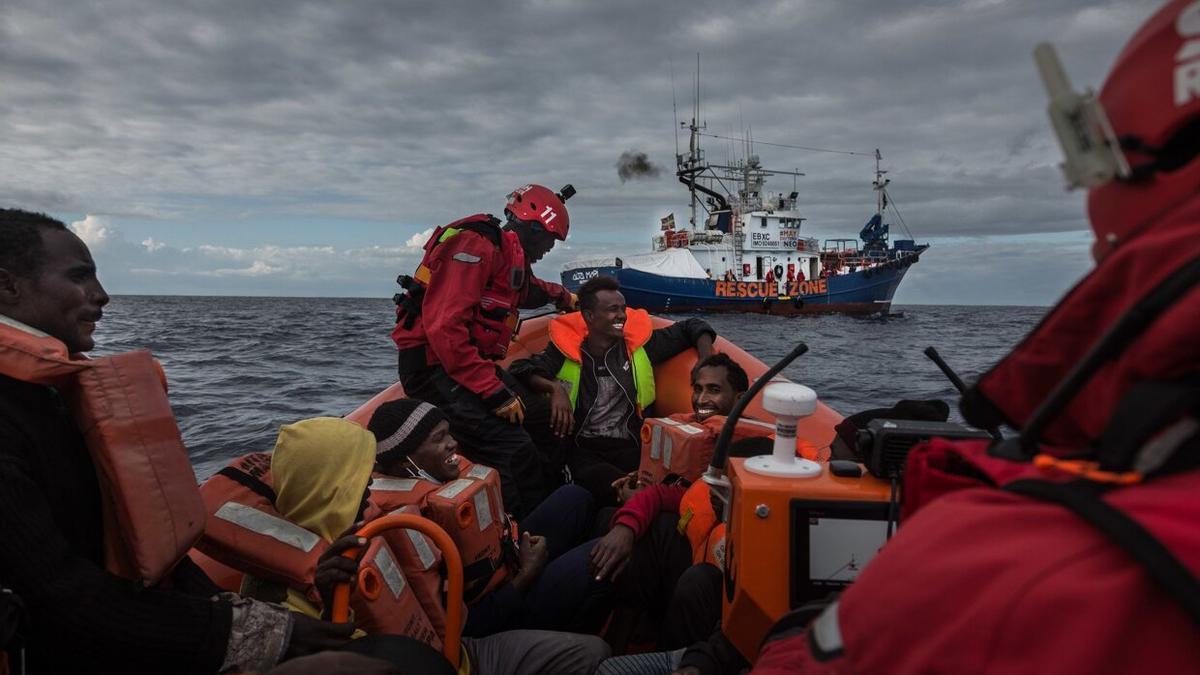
(862, 292)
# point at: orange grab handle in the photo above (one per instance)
(454, 572)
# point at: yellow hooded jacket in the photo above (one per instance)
(320, 469)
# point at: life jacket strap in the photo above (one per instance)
(1084, 500)
(249, 482)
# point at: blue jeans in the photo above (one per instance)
(565, 596)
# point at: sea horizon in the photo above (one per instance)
(385, 297)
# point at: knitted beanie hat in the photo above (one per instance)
(401, 426)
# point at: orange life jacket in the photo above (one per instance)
(421, 562)
(698, 522)
(390, 493)
(247, 533)
(152, 511)
(681, 446)
(385, 600)
(471, 511)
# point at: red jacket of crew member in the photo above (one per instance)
(465, 270)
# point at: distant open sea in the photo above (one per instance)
(240, 367)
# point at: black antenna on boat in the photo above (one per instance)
(956, 381)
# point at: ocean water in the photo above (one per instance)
(240, 367)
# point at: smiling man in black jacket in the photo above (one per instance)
(599, 373)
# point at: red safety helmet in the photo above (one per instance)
(537, 204)
(1152, 100)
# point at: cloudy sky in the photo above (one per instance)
(303, 148)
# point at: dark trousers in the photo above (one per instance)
(551, 449)
(695, 608)
(483, 437)
(596, 462)
(651, 583)
(565, 596)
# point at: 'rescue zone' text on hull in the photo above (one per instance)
(763, 289)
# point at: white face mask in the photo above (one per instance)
(421, 473)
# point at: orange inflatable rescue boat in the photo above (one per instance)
(769, 575)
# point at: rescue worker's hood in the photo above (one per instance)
(1012, 390)
(320, 469)
(568, 331)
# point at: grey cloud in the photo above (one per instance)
(207, 111)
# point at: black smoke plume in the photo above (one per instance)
(633, 165)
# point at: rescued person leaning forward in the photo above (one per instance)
(598, 370)
(321, 470)
(541, 582)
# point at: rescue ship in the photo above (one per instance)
(747, 251)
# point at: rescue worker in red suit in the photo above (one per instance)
(1075, 547)
(458, 317)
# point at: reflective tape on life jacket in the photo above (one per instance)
(479, 527)
(680, 446)
(151, 509)
(391, 493)
(385, 601)
(245, 532)
(421, 562)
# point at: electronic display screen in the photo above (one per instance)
(831, 543)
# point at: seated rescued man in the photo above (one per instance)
(78, 617)
(321, 472)
(665, 546)
(598, 370)
(550, 585)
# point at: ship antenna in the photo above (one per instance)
(693, 161)
(674, 106)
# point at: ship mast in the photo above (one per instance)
(879, 185)
(692, 164)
